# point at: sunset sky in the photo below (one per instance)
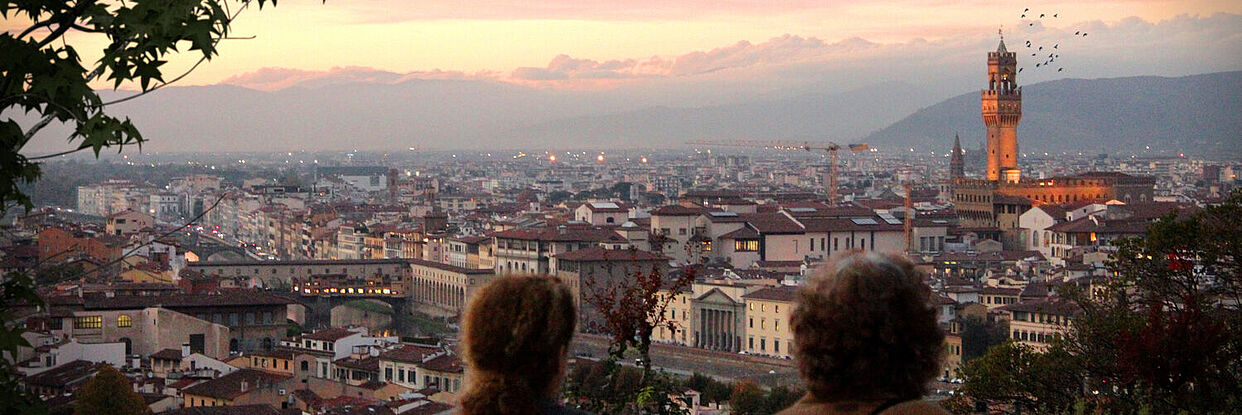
(520, 41)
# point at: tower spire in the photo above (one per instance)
(957, 165)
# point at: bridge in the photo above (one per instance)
(213, 249)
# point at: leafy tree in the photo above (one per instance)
(629, 310)
(710, 389)
(110, 392)
(1020, 379)
(747, 399)
(979, 334)
(43, 74)
(16, 290)
(782, 397)
(1161, 334)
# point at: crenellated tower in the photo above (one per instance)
(1001, 105)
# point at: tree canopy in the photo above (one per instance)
(110, 392)
(1161, 333)
(43, 74)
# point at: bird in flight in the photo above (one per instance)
(1041, 15)
(1060, 69)
(1040, 48)
(1054, 15)
(1077, 32)
(1084, 34)
(1020, 70)
(1055, 46)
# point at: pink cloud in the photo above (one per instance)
(271, 79)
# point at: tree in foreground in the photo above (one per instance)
(1161, 334)
(41, 74)
(747, 399)
(629, 310)
(110, 392)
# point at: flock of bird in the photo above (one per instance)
(1045, 62)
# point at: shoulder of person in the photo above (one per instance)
(915, 407)
(807, 406)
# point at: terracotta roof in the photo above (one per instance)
(368, 363)
(167, 354)
(943, 300)
(784, 293)
(472, 239)
(868, 223)
(999, 291)
(66, 375)
(230, 298)
(773, 223)
(446, 363)
(677, 210)
(230, 386)
(1102, 225)
(744, 232)
(598, 253)
(561, 234)
(258, 409)
(608, 207)
(409, 353)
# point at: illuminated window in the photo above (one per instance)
(746, 245)
(124, 321)
(88, 322)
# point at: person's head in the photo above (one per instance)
(865, 329)
(515, 336)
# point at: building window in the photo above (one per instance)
(746, 245)
(124, 320)
(88, 322)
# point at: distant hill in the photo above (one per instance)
(813, 116)
(1198, 114)
(1195, 114)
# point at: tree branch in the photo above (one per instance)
(192, 68)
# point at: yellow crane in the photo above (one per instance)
(828, 146)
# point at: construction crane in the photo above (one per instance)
(828, 146)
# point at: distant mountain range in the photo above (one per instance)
(1197, 114)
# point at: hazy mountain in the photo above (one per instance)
(447, 114)
(1196, 114)
(836, 117)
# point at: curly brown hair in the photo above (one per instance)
(515, 335)
(865, 329)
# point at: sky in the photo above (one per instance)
(596, 42)
(596, 57)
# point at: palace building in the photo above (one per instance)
(990, 207)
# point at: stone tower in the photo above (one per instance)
(1001, 105)
(957, 164)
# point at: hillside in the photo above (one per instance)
(1196, 114)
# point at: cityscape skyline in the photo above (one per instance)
(913, 206)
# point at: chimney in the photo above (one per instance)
(185, 349)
